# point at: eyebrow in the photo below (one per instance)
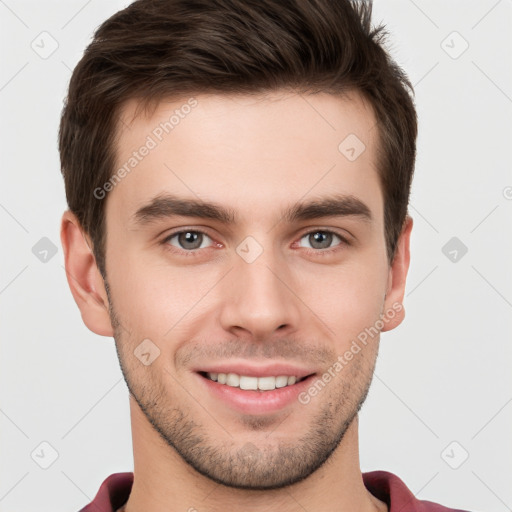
(167, 205)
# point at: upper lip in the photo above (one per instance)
(253, 370)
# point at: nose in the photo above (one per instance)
(259, 298)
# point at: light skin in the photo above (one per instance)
(301, 302)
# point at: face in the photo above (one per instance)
(245, 256)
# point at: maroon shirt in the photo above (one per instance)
(385, 486)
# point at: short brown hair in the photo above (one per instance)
(156, 49)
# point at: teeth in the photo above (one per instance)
(266, 383)
(281, 382)
(253, 383)
(233, 380)
(248, 382)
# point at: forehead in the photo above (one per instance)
(252, 153)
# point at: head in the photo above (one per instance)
(281, 137)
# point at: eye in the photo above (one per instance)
(321, 240)
(188, 240)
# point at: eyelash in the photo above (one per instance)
(316, 252)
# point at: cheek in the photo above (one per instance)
(151, 298)
(348, 299)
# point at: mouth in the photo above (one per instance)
(255, 390)
(253, 383)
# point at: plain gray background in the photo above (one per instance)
(439, 413)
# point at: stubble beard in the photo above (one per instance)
(242, 464)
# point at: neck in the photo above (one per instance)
(163, 481)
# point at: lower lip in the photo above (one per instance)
(256, 402)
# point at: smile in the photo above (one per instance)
(263, 390)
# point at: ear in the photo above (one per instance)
(397, 278)
(84, 278)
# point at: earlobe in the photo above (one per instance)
(393, 304)
(84, 278)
